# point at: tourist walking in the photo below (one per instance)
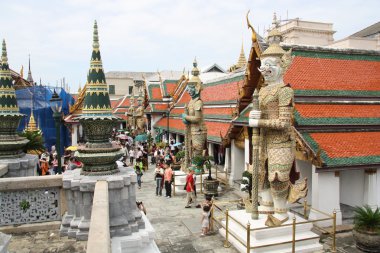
(159, 174)
(131, 155)
(189, 186)
(139, 171)
(168, 176)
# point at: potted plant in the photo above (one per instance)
(178, 160)
(210, 184)
(198, 162)
(366, 230)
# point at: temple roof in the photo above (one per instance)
(346, 149)
(337, 106)
(220, 97)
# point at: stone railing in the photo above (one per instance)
(31, 199)
(99, 235)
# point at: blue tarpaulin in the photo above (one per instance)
(37, 97)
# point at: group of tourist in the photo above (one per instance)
(163, 175)
(48, 163)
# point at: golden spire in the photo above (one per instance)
(22, 71)
(79, 89)
(32, 125)
(242, 61)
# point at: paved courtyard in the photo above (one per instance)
(177, 228)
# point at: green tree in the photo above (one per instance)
(36, 141)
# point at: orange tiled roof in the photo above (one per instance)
(312, 73)
(155, 93)
(338, 111)
(222, 91)
(351, 144)
(185, 98)
(169, 87)
(214, 129)
(346, 148)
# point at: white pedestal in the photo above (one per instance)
(141, 241)
(306, 241)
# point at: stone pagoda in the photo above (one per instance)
(11, 144)
(99, 158)
(98, 155)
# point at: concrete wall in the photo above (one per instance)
(357, 43)
(44, 195)
(325, 194)
(352, 187)
(121, 86)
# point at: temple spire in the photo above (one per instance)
(4, 57)
(242, 60)
(30, 78)
(95, 44)
(96, 101)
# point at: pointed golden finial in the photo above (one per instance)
(241, 61)
(32, 125)
(95, 44)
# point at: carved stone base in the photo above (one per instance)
(125, 218)
(270, 239)
(21, 167)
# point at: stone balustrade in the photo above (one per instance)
(99, 235)
(31, 199)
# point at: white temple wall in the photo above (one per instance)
(378, 187)
(352, 187)
(326, 194)
(237, 162)
(305, 168)
(74, 135)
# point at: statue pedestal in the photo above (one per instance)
(306, 240)
(125, 218)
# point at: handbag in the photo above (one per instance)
(185, 186)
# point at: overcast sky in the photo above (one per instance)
(150, 35)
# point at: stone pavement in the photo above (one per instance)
(177, 228)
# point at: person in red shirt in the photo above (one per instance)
(190, 196)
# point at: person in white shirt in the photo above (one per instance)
(131, 156)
